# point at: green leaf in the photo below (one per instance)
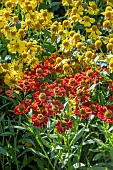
(97, 156)
(6, 134)
(111, 76)
(1, 117)
(27, 140)
(4, 53)
(55, 4)
(49, 1)
(37, 152)
(24, 152)
(39, 162)
(46, 143)
(5, 105)
(53, 136)
(10, 99)
(3, 151)
(77, 136)
(99, 168)
(25, 160)
(20, 127)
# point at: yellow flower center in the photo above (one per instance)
(16, 68)
(58, 59)
(79, 45)
(17, 46)
(111, 63)
(13, 32)
(88, 54)
(72, 81)
(6, 27)
(40, 117)
(5, 66)
(109, 46)
(12, 81)
(82, 111)
(16, 18)
(108, 114)
(60, 32)
(76, 36)
(57, 90)
(65, 23)
(89, 72)
(66, 67)
(22, 108)
(24, 55)
(111, 40)
(79, 93)
(94, 28)
(92, 107)
(108, 14)
(106, 24)
(86, 19)
(39, 70)
(63, 123)
(72, 33)
(42, 96)
(8, 4)
(6, 14)
(21, 31)
(54, 28)
(98, 43)
(65, 43)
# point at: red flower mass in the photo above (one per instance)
(63, 125)
(23, 107)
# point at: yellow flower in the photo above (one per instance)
(66, 24)
(67, 2)
(92, 8)
(75, 14)
(109, 2)
(94, 32)
(65, 46)
(3, 67)
(87, 21)
(11, 79)
(109, 46)
(111, 64)
(15, 67)
(16, 45)
(32, 62)
(98, 44)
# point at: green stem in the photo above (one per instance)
(15, 142)
(80, 151)
(42, 147)
(69, 163)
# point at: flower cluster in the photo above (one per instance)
(54, 63)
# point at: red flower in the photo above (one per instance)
(40, 71)
(39, 120)
(42, 98)
(81, 95)
(56, 90)
(9, 93)
(57, 106)
(105, 113)
(63, 125)
(42, 108)
(23, 107)
(27, 84)
(83, 112)
(94, 107)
